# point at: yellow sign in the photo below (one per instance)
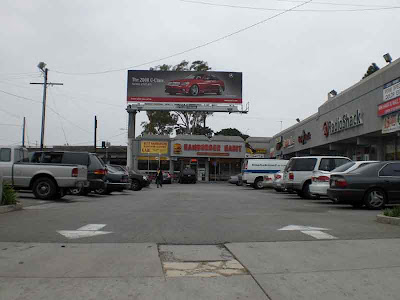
(152, 158)
(153, 147)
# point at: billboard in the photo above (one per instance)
(153, 147)
(184, 87)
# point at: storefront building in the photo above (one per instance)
(213, 159)
(362, 122)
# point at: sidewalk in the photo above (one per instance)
(366, 269)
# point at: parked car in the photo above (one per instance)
(374, 185)
(300, 171)
(96, 169)
(46, 180)
(116, 181)
(277, 183)
(234, 179)
(138, 181)
(258, 170)
(167, 178)
(320, 179)
(195, 85)
(188, 176)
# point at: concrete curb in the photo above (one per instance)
(9, 208)
(388, 220)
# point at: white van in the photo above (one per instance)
(256, 170)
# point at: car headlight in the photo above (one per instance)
(144, 177)
(184, 83)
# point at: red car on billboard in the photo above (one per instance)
(196, 84)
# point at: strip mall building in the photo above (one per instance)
(362, 122)
(216, 158)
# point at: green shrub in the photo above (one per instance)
(392, 212)
(9, 195)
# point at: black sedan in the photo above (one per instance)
(116, 181)
(372, 185)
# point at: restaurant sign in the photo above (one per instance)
(391, 123)
(153, 147)
(198, 149)
(288, 142)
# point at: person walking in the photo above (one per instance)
(159, 178)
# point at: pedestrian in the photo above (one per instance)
(159, 178)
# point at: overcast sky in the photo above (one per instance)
(289, 63)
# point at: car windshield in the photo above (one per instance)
(194, 76)
(344, 167)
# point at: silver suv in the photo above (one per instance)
(300, 171)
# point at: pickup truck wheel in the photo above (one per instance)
(135, 185)
(44, 188)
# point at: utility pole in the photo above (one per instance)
(42, 67)
(95, 134)
(23, 133)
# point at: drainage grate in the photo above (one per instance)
(199, 261)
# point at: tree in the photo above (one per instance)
(232, 132)
(371, 69)
(160, 122)
(182, 122)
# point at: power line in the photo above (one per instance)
(193, 48)
(62, 127)
(336, 3)
(50, 108)
(10, 125)
(11, 114)
(294, 10)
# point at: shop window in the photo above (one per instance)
(390, 150)
(142, 165)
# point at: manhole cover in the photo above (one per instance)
(199, 261)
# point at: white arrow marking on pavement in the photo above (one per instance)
(92, 227)
(319, 235)
(84, 231)
(315, 232)
(301, 228)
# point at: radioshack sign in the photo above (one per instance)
(201, 149)
(342, 123)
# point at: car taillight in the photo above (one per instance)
(341, 183)
(321, 179)
(75, 172)
(291, 176)
(100, 172)
(277, 176)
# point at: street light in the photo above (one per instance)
(387, 58)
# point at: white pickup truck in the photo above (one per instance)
(47, 181)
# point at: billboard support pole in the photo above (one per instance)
(95, 134)
(131, 137)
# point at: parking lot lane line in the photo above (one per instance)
(319, 235)
(92, 227)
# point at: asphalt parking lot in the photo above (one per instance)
(203, 241)
(190, 214)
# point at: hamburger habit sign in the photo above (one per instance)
(343, 123)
